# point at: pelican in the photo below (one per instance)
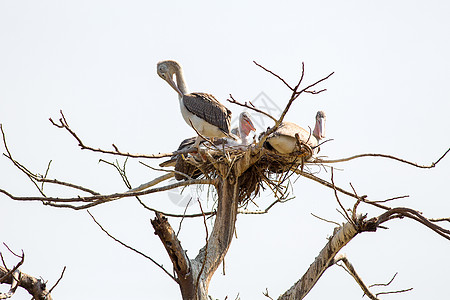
(283, 139)
(201, 111)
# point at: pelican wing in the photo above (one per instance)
(208, 108)
(283, 139)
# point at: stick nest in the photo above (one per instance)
(254, 167)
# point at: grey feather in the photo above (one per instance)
(208, 108)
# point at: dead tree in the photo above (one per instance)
(236, 176)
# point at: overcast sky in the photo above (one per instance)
(96, 60)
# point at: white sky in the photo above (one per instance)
(96, 60)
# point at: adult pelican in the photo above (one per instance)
(284, 141)
(201, 111)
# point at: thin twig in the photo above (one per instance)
(277, 76)
(400, 212)
(432, 165)
(16, 267)
(206, 248)
(168, 171)
(440, 220)
(266, 293)
(38, 178)
(394, 292)
(131, 248)
(384, 284)
(351, 270)
(98, 199)
(60, 277)
(329, 221)
(198, 215)
(339, 202)
(295, 95)
(232, 100)
(184, 215)
(64, 125)
(9, 249)
(45, 175)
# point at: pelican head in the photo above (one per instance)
(166, 70)
(245, 124)
(319, 128)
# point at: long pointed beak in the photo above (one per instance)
(319, 130)
(250, 125)
(247, 127)
(174, 86)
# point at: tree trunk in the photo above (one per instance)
(221, 237)
(194, 275)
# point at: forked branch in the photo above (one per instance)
(63, 124)
(296, 92)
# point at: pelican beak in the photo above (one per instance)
(320, 127)
(173, 85)
(248, 126)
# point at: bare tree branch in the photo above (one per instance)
(341, 236)
(351, 270)
(328, 221)
(251, 107)
(64, 125)
(58, 281)
(432, 165)
(277, 76)
(37, 177)
(339, 202)
(295, 94)
(400, 212)
(99, 199)
(131, 248)
(178, 256)
(394, 292)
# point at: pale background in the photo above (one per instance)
(96, 60)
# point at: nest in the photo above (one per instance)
(251, 166)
